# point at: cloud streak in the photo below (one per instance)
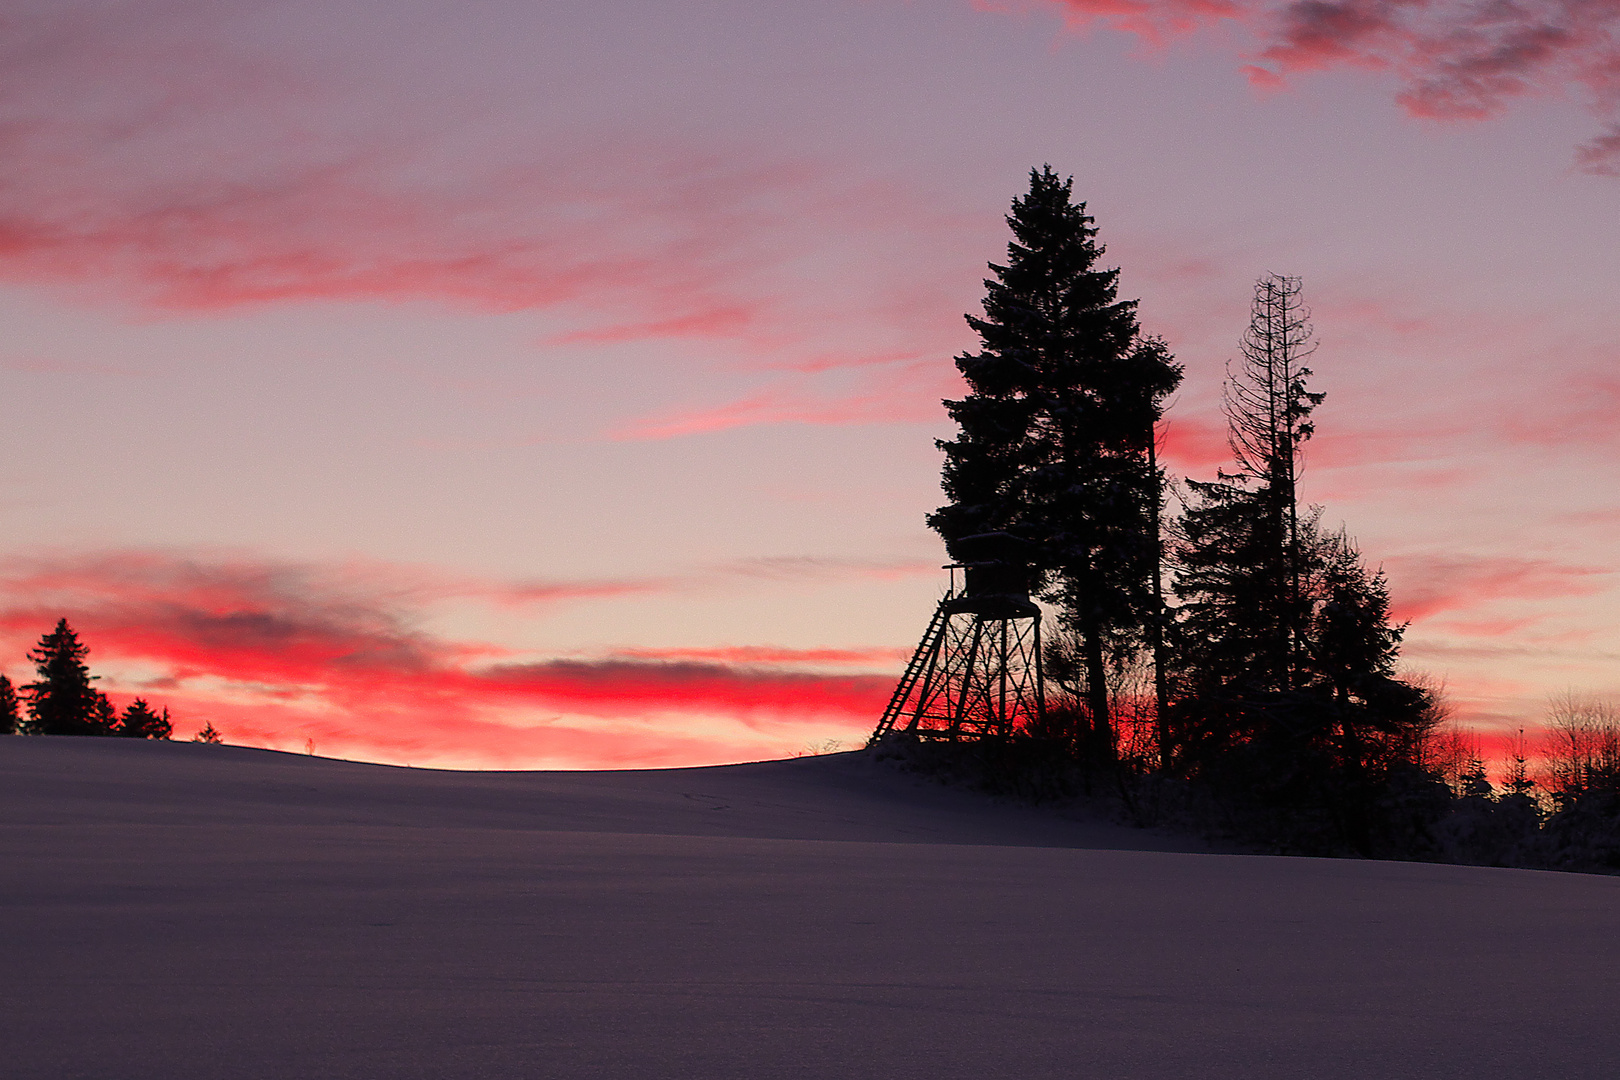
(903, 393)
(1425, 586)
(158, 153)
(1452, 59)
(276, 653)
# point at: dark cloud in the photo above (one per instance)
(1454, 59)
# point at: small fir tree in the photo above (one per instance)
(209, 734)
(103, 715)
(10, 713)
(1518, 782)
(1475, 784)
(141, 721)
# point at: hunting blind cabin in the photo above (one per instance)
(977, 671)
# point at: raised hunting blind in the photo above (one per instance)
(977, 671)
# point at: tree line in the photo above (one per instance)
(1213, 637)
(63, 701)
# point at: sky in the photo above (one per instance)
(555, 384)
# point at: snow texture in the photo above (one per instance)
(191, 912)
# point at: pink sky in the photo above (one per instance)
(556, 385)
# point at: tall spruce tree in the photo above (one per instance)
(1057, 431)
(62, 701)
(10, 713)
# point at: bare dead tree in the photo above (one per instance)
(1268, 407)
(1583, 751)
(1432, 729)
(1453, 753)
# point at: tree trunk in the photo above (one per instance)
(1091, 639)
(1161, 687)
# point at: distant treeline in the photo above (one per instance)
(62, 701)
(1219, 651)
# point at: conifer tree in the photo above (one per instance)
(1286, 642)
(1351, 647)
(1517, 782)
(141, 721)
(1268, 407)
(1056, 432)
(1243, 555)
(62, 701)
(10, 715)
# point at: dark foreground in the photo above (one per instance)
(189, 912)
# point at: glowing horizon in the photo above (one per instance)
(512, 386)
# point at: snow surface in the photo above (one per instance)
(192, 912)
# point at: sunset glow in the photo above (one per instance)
(557, 385)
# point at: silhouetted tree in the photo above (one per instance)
(141, 721)
(103, 714)
(209, 734)
(1057, 430)
(1518, 782)
(10, 713)
(1475, 784)
(1245, 557)
(1584, 747)
(62, 701)
(1286, 647)
(1268, 408)
(1257, 551)
(1224, 565)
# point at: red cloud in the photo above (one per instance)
(280, 653)
(884, 656)
(1454, 59)
(615, 686)
(1194, 442)
(1155, 21)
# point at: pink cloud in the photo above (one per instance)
(1424, 586)
(1600, 155)
(811, 567)
(733, 321)
(1154, 21)
(1584, 411)
(910, 395)
(1198, 443)
(155, 153)
(544, 236)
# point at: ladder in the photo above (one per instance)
(921, 661)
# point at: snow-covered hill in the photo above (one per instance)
(192, 912)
